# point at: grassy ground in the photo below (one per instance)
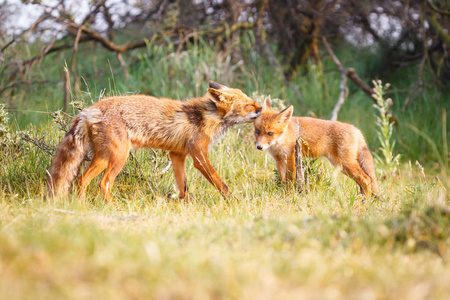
(265, 242)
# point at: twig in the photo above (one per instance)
(433, 7)
(300, 174)
(74, 57)
(50, 181)
(66, 88)
(299, 170)
(47, 148)
(4, 48)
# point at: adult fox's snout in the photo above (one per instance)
(257, 112)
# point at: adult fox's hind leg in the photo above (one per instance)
(116, 162)
(111, 148)
(96, 166)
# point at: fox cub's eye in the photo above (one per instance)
(270, 133)
(257, 131)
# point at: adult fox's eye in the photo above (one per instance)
(270, 133)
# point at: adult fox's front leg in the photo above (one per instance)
(201, 163)
(179, 170)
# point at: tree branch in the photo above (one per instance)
(343, 84)
(433, 7)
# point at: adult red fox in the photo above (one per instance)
(343, 144)
(115, 125)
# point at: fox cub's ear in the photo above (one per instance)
(217, 95)
(286, 114)
(266, 104)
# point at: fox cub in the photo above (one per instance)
(115, 125)
(343, 144)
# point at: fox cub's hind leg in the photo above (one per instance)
(354, 171)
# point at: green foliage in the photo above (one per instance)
(163, 71)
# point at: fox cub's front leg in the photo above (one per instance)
(286, 167)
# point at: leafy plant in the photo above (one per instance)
(387, 161)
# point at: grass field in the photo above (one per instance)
(264, 242)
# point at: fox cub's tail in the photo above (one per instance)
(70, 153)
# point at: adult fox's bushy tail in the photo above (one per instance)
(70, 153)
(365, 159)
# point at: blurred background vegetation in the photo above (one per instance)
(60, 51)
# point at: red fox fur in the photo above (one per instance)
(115, 125)
(343, 144)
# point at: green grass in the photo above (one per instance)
(264, 242)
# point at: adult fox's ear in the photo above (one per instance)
(215, 85)
(217, 95)
(266, 103)
(286, 114)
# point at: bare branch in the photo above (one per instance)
(343, 84)
(333, 56)
(7, 45)
(433, 7)
(351, 73)
(47, 148)
(74, 56)
(342, 95)
(123, 65)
